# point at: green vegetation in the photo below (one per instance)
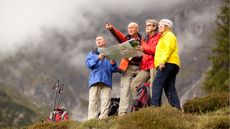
(214, 120)
(218, 76)
(208, 103)
(209, 112)
(13, 114)
(165, 117)
(51, 125)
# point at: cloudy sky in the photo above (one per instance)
(24, 21)
(20, 19)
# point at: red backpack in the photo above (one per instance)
(142, 98)
(58, 115)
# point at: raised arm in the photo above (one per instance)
(120, 37)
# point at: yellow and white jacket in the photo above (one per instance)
(167, 50)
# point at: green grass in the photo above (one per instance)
(218, 119)
(207, 103)
(210, 112)
(165, 117)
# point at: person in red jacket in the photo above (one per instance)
(59, 114)
(129, 67)
(148, 47)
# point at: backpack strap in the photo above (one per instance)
(63, 115)
(52, 115)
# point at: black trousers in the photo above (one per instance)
(166, 80)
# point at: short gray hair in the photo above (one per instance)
(153, 21)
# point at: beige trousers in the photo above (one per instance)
(99, 93)
(126, 80)
(143, 76)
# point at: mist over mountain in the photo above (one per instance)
(55, 48)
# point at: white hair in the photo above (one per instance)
(166, 22)
(134, 24)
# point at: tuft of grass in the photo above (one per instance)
(154, 118)
(52, 125)
(107, 123)
(214, 120)
(208, 103)
(165, 117)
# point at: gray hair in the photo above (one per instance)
(153, 22)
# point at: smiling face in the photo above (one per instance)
(132, 28)
(100, 41)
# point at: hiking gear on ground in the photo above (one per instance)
(142, 98)
(113, 107)
(58, 115)
(57, 96)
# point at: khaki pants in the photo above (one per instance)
(96, 92)
(143, 77)
(126, 80)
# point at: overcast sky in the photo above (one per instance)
(20, 19)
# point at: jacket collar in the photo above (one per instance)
(165, 33)
(147, 37)
(128, 37)
(96, 51)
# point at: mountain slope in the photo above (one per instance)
(13, 114)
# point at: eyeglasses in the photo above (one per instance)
(148, 25)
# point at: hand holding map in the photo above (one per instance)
(123, 50)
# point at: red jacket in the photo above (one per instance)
(149, 46)
(120, 37)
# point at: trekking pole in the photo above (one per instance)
(59, 93)
(55, 88)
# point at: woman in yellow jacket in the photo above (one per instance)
(167, 62)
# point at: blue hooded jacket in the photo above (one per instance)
(100, 70)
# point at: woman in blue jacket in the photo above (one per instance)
(100, 80)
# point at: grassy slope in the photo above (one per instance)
(150, 118)
(208, 112)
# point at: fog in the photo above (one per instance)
(25, 18)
